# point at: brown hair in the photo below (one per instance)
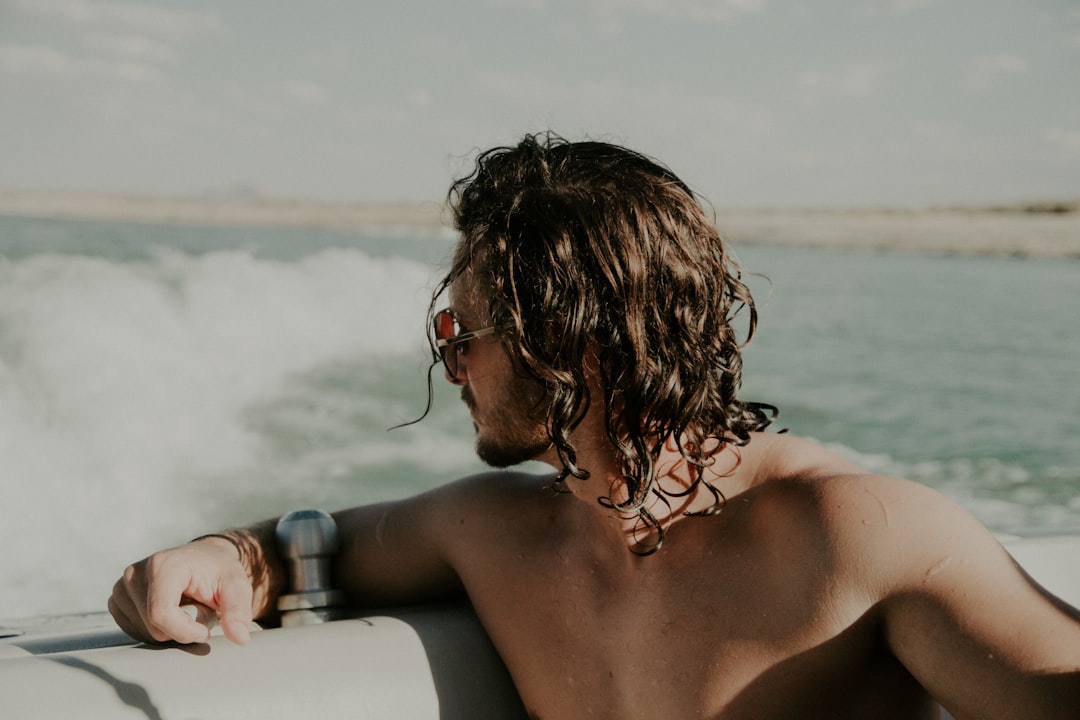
(582, 244)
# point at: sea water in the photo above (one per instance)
(158, 382)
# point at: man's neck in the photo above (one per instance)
(673, 497)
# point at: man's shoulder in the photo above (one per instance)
(789, 464)
(485, 496)
(781, 457)
(843, 496)
(501, 484)
(858, 514)
(494, 494)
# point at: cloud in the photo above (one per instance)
(716, 11)
(270, 102)
(1067, 140)
(420, 98)
(892, 8)
(304, 92)
(336, 57)
(139, 48)
(855, 80)
(534, 5)
(34, 60)
(986, 72)
(1072, 34)
(40, 61)
(124, 17)
(905, 6)
(680, 111)
(104, 44)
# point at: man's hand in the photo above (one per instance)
(148, 601)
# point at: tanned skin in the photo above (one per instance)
(819, 591)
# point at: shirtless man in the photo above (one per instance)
(680, 562)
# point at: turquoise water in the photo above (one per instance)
(957, 372)
(157, 382)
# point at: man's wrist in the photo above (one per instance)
(228, 537)
(257, 555)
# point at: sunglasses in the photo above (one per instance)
(450, 340)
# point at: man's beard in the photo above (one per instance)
(505, 451)
(514, 434)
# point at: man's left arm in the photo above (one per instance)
(974, 629)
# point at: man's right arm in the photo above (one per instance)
(398, 552)
(391, 553)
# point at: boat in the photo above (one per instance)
(432, 661)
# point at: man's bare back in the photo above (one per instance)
(773, 608)
(724, 622)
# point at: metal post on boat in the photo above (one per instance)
(307, 541)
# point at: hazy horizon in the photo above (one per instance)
(254, 196)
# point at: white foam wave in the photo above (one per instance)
(123, 388)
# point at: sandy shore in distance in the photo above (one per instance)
(221, 211)
(1019, 232)
(940, 232)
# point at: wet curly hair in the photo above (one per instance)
(581, 245)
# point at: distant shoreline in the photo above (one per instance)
(220, 211)
(1038, 230)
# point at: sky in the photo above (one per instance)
(755, 103)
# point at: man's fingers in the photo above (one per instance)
(126, 618)
(200, 613)
(165, 619)
(125, 605)
(234, 608)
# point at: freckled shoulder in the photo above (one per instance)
(769, 457)
(889, 534)
(496, 502)
(879, 533)
(499, 486)
(843, 497)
